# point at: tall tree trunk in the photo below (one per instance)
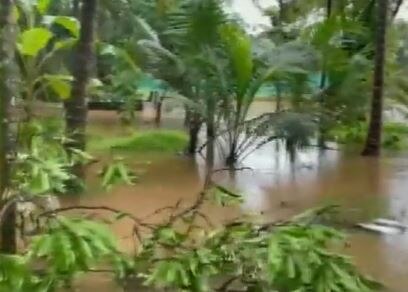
(210, 149)
(373, 142)
(194, 125)
(76, 109)
(329, 8)
(209, 155)
(323, 83)
(158, 107)
(187, 116)
(7, 42)
(158, 116)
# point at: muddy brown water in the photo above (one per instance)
(365, 188)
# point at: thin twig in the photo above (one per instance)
(157, 212)
(190, 209)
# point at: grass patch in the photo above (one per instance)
(165, 141)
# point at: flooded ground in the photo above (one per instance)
(365, 188)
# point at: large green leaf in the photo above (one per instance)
(72, 245)
(69, 23)
(60, 84)
(15, 274)
(65, 44)
(43, 5)
(32, 41)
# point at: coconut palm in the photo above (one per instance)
(224, 79)
(76, 106)
(373, 142)
(179, 55)
(246, 70)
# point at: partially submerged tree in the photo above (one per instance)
(373, 142)
(76, 107)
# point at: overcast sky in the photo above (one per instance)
(253, 16)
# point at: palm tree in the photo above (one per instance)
(190, 34)
(7, 42)
(373, 142)
(76, 107)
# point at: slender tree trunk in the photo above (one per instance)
(210, 149)
(76, 109)
(323, 82)
(187, 116)
(158, 116)
(232, 155)
(7, 42)
(194, 130)
(373, 142)
(329, 8)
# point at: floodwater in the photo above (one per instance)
(364, 188)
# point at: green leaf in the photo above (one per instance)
(65, 44)
(60, 85)
(73, 245)
(43, 5)
(15, 274)
(167, 234)
(32, 41)
(40, 182)
(69, 23)
(225, 197)
(291, 269)
(116, 173)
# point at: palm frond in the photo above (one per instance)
(197, 22)
(239, 52)
(148, 32)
